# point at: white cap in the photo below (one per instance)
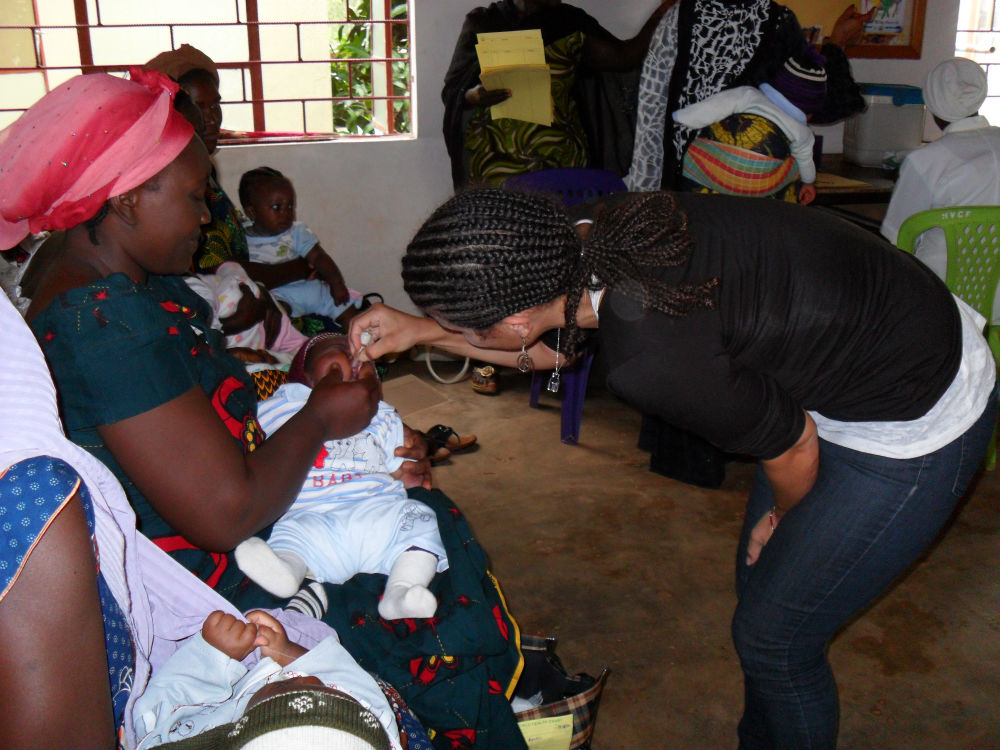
(955, 89)
(308, 738)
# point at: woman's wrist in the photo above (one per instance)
(312, 422)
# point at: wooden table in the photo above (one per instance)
(858, 194)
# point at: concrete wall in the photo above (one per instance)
(364, 199)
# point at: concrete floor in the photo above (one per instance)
(633, 571)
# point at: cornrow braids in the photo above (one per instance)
(488, 253)
(644, 232)
(254, 179)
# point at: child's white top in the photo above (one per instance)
(294, 242)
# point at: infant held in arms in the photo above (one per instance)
(352, 515)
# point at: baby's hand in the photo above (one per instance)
(339, 292)
(273, 640)
(415, 472)
(230, 635)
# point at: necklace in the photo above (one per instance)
(553, 385)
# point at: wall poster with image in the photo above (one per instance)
(895, 30)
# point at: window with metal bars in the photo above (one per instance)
(978, 38)
(288, 69)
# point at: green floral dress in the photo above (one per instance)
(223, 237)
(504, 147)
(117, 349)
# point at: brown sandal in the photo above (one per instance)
(442, 441)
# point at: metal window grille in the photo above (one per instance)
(356, 59)
(978, 38)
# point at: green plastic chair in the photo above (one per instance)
(972, 234)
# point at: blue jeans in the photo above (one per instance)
(864, 523)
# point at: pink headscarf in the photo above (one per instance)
(92, 138)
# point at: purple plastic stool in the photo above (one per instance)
(572, 185)
(573, 385)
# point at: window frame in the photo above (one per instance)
(966, 46)
(252, 88)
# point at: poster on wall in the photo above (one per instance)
(889, 17)
(896, 28)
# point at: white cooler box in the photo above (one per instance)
(893, 123)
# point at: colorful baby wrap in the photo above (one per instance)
(742, 154)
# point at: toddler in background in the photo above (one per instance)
(789, 101)
(291, 698)
(353, 514)
(286, 256)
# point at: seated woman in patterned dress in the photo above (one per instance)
(145, 383)
(147, 387)
(71, 555)
(486, 150)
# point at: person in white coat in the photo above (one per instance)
(961, 168)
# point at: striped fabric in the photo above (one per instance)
(734, 170)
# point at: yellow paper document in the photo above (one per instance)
(551, 733)
(515, 60)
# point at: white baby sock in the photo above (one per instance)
(277, 571)
(406, 593)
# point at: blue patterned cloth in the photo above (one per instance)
(32, 492)
(409, 725)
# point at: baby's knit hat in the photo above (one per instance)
(802, 80)
(302, 719)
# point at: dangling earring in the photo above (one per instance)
(553, 385)
(524, 363)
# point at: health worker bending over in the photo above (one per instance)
(864, 387)
(144, 383)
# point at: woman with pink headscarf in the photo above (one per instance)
(146, 386)
(144, 382)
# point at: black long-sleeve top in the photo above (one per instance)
(812, 313)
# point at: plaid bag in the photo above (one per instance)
(562, 693)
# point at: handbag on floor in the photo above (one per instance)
(562, 694)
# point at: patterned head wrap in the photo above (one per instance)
(92, 138)
(955, 89)
(184, 59)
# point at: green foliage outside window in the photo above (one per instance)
(354, 79)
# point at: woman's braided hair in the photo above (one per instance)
(488, 253)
